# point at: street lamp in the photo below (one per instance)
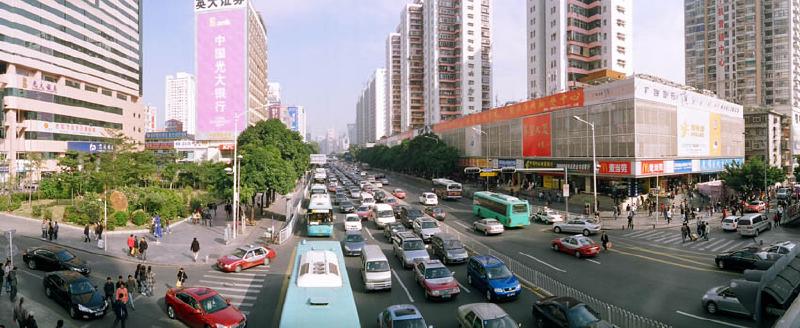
(235, 171)
(105, 220)
(238, 187)
(487, 151)
(594, 161)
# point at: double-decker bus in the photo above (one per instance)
(509, 210)
(446, 189)
(319, 216)
(319, 293)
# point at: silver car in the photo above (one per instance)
(580, 225)
(722, 298)
(484, 315)
(409, 248)
(425, 228)
(488, 226)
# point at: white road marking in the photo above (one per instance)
(645, 234)
(716, 249)
(636, 233)
(738, 245)
(462, 287)
(369, 234)
(710, 320)
(463, 225)
(250, 274)
(240, 304)
(715, 243)
(672, 240)
(231, 284)
(542, 262)
(32, 274)
(663, 237)
(233, 278)
(593, 261)
(242, 297)
(397, 277)
(241, 290)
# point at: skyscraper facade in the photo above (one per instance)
(412, 63)
(179, 100)
(274, 93)
(150, 118)
(393, 86)
(371, 109)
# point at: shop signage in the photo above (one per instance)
(41, 85)
(488, 174)
(159, 145)
(89, 147)
(536, 134)
(187, 144)
(226, 147)
(616, 167)
(506, 163)
(473, 162)
(650, 167)
(165, 135)
(203, 5)
(571, 166)
(682, 166)
(716, 165)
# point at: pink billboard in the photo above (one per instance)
(221, 59)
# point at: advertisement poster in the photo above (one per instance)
(651, 167)
(536, 135)
(682, 166)
(715, 134)
(220, 47)
(693, 132)
(294, 123)
(615, 167)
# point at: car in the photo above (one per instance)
(448, 249)
(579, 225)
(377, 184)
(202, 307)
(401, 315)
(398, 209)
(436, 279)
(547, 215)
(435, 212)
(384, 181)
(746, 258)
(782, 248)
(425, 228)
(76, 293)
(363, 212)
(368, 188)
(368, 200)
(492, 278)
(332, 187)
(722, 298)
(379, 196)
(399, 193)
(755, 206)
(346, 207)
(352, 222)
(245, 257)
(564, 311)
(409, 214)
(339, 198)
(51, 258)
(428, 198)
(391, 201)
(409, 248)
(353, 243)
(355, 193)
(488, 226)
(391, 229)
(578, 245)
(783, 193)
(484, 315)
(730, 223)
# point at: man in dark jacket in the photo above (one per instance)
(86, 238)
(604, 240)
(143, 248)
(195, 248)
(120, 311)
(108, 288)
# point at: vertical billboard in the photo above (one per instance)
(221, 60)
(693, 134)
(294, 118)
(536, 136)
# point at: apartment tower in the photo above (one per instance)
(371, 109)
(412, 63)
(179, 100)
(393, 83)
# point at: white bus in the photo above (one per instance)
(446, 189)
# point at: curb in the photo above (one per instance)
(105, 232)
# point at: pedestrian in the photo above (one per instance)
(55, 230)
(151, 281)
(182, 276)
(60, 323)
(195, 248)
(777, 219)
(12, 281)
(6, 272)
(20, 313)
(705, 231)
(86, 238)
(684, 232)
(630, 220)
(604, 240)
(142, 280)
(143, 248)
(44, 229)
(137, 274)
(120, 310)
(30, 322)
(50, 230)
(131, 245)
(98, 230)
(130, 286)
(108, 288)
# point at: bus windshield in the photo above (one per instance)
(454, 187)
(519, 208)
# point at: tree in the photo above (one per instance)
(425, 155)
(748, 178)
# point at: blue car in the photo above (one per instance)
(491, 276)
(401, 315)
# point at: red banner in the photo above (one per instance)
(536, 136)
(615, 167)
(649, 167)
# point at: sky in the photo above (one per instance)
(322, 52)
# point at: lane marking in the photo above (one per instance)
(369, 234)
(32, 274)
(593, 261)
(709, 320)
(739, 245)
(231, 284)
(719, 247)
(241, 304)
(672, 240)
(240, 290)
(242, 297)
(637, 233)
(668, 255)
(673, 263)
(542, 262)
(463, 225)
(232, 278)
(663, 238)
(397, 277)
(462, 287)
(715, 243)
(685, 251)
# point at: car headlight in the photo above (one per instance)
(498, 290)
(518, 287)
(347, 248)
(221, 326)
(83, 308)
(435, 292)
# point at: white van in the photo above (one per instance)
(752, 224)
(382, 214)
(375, 269)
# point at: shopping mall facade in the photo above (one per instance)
(647, 131)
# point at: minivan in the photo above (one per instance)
(752, 224)
(382, 214)
(448, 249)
(409, 248)
(375, 269)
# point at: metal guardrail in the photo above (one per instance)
(293, 211)
(549, 286)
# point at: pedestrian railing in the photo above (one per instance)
(549, 286)
(293, 207)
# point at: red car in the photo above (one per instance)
(436, 279)
(391, 201)
(363, 212)
(435, 212)
(245, 257)
(754, 206)
(578, 245)
(399, 193)
(202, 307)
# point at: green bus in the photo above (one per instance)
(509, 210)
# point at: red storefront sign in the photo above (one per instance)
(615, 167)
(226, 147)
(536, 134)
(649, 167)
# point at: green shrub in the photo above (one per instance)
(119, 219)
(73, 215)
(139, 217)
(15, 205)
(36, 211)
(47, 213)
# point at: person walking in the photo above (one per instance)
(86, 238)
(630, 220)
(182, 277)
(604, 240)
(130, 286)
(684, 232)
(150, 283)
(55, 230)
(20, 313)
(98, 230)
(705, 231)
(12, 282)
(60, 323)
(143, 248)
(6, 272)
(30, 322)
(120, 310)
(131, 245)
(44, 229)
(108, 289)
(50, 230)
(195, 248)
(138, 273)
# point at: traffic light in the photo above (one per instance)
(508, 169)
(472, 170)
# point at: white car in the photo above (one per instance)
(377, 184)
(352, 222)
(367, 199)
(548, 216)
(488, 226)
(428, 198)
(730, 223)
(578, 225)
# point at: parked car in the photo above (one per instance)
(436, 279)
(448, 249)
(755, 206)
(730, 223)
(346, 207)
(202, 307)
(245, 257)
(746, 258)
(409, 214)
(51, 258)
(782, 248)
(783, 193)
(488, 226)
(76, 293)
(547, 216)
(564, 311)
(425, 228)
(352, 222)
(353, 243)
(722, 298)
(363, 212)
(399, 193)
(578, 245)
(391, 229)
(435, 212)
(401, 315)
(490, 276)
(579, 225)
(484, 315)
(753, 224)
(428, 198)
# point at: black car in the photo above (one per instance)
(409, 214)
(563, 311)
(52, 259)
(746, 258)
(391, 229)
(339, 198)
(379, 196)
(76, 293)
(346, 206)
(398, 209)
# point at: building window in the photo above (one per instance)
(621, 36)
(106, 92)
(621, 63)
(621, 49)
(72, 84)
(90, 88)
(620, 23)
(621, 9)
(122, 96)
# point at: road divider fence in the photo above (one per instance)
(293, 210)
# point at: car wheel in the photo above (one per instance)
(555, 247)
(238, 268)
(577, 254)
(557, 229)
(586, 232)
(711, 307)
(32, 264)
(488, 295)
(48, 292)
(72, 313)
(721, 264)
(485, 232)
(170, 312)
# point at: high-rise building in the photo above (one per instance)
(572, 40)
(352, 139)
(371, 109)
(150, 118)
(179, 100)
(747, 52)
(393, 83)
(274, 93)
(457, 55)
(412, 63)
(70, 79)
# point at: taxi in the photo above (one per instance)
(245, 257)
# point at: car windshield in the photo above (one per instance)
(413, 245)
(378, 266)
(436, 273)
(213, 304)
(430, 196)
(386, 213)
(64, 256)
(428, 225)
(413, 213)
(347, 203)
(519, 208)
(409, 323)
(352, 219)
(727, 220)
(584, 241)
(239, 253)
(755, 202)
(581, 316)
(492, 222)
(81, 287)
(368, 200)
(354, 238)
(398, 190)
(502, 322)
(498, 272)
(744, 223)
(436, 210)
(363, 208)
(453, 244)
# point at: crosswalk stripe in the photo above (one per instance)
(234, 278)
(241, 297)
(243, 290)
(738, 245)
(635, 233)
(699, 243)
(715, 243)
(245, 274)
(649, 234)
(241, 304)
(248, 272)
(671, 240)
(664, 237)
(717, 248)
(231, 284)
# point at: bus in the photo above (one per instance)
(446, 189)
(509, 210)
(318, 189)
(319, 216)
(320, 175)
(319, 292)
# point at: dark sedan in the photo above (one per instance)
(76, 293)
(562, 311)
(409, 214)
(746, 258)
(346, 206)
(53, 258)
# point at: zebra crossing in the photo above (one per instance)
(241, 288)
(673, 237)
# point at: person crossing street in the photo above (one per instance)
(604, 240)
(182, 277)
(195, 248)
(130, 286)
(143, 249)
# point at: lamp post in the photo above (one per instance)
(238, 187)
(235, 172)
(594, 161)
(487, 151)
(105, 220)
